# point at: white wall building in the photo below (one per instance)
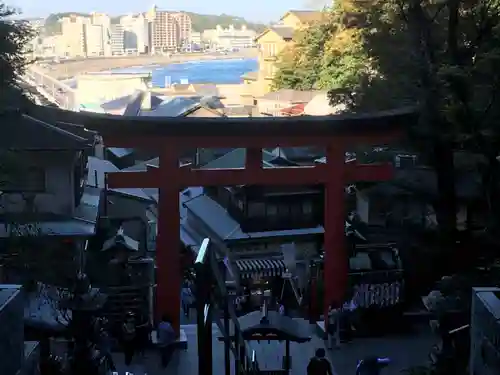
(104, 21)
(136, 38)
(94, 43)
(117, 40)
(230, 38)
(73, 36)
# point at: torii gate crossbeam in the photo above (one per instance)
(170, 136)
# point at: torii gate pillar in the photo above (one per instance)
(170, 136)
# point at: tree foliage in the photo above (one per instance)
(14, 36)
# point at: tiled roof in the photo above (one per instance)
(236, 159)
(23, 132)
(284, 32)
(245, 110)
(226, 228)
(97, 169)
(295, 110)
(307, 16)
(292, 96)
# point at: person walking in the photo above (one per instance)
(104, 345)
(143, 333)
(319, 365)
(166, 339)
(187, 299)
(333, 327)
(129, 337)
(348, 309)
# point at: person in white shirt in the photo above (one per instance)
(346, 315)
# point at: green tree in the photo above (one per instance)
(14, 36)
(440, 54)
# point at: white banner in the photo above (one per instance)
(289, 251)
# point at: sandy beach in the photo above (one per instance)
(71, 68)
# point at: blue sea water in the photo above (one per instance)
(207, 71)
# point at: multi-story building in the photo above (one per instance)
(103, 20)
(117, 40)
(94, 43)
(171, 31)
(230, 38)
(183, 30)
(272, 42)
(196, 38)
(136, 31)
(73, 36)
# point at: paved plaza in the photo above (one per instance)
(405, 352)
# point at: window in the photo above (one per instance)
(272, 210)
(256, 209)
(307, 208)
(283, 211)
(31, 179)
(296, 211)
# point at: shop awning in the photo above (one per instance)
(262, 267)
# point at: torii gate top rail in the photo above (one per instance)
(302, 131)
(169, 136)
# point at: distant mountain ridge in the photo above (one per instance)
(200, 22)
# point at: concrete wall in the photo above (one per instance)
(58, 196)
(272, 107)
(11, 329)
(101, 87)
(121, 207)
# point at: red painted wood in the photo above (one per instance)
(170, 179)
(168, 247)
(266, 176)
(253, 159)
(139, 180)
(335, 257)
(368, 172)
(186, 143)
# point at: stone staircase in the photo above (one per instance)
(123, 299)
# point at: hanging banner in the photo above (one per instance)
(289, 251)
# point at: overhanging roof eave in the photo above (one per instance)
(109, 125)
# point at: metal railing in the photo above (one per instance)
(212, 296)
(55, 91)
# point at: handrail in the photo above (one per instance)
(206, 257)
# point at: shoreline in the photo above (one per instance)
(70, 69)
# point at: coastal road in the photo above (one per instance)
(70, 68)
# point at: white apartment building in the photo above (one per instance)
(196, 38)
(117, 40)
(136, 30)
(230, 38)
(104, 21)
(94, 41)
(73, 36)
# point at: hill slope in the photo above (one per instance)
(200, 22)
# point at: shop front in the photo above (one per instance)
(256, 276)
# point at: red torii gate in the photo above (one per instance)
(170, 136)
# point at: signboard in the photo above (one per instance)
(381, 294)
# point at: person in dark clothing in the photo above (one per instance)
(166, 340)
(319, 365)
(143, 333)
(105, 345)
(129, 337)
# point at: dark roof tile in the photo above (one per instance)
(23, 132)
